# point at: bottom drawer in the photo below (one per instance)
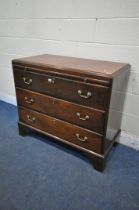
(58, 128)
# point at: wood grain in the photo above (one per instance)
(71, 65)
(65, 89)
(61, 129)
(71, 100)
(63, 110)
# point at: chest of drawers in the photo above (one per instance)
(76, 101)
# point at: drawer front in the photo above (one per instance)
(70, 112)
(89, 95)
(61, 129)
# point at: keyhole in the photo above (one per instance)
(53, 101)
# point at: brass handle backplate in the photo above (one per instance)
(27, 81)
(88, 95)
(29, 100)
(82, 118)
(51, 80)
(31, 119)
(84, 139)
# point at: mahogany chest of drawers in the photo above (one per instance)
(76, 101)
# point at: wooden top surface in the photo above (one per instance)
(76, 65)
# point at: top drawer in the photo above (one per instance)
(96, 96)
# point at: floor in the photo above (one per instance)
(38, 174)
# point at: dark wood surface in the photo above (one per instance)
(51, 90)
(60, 128)
(63, 110)
(118, 93)
(98, 160)
(64, 89)
(74, 65)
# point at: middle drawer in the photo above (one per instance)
(83, 116)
